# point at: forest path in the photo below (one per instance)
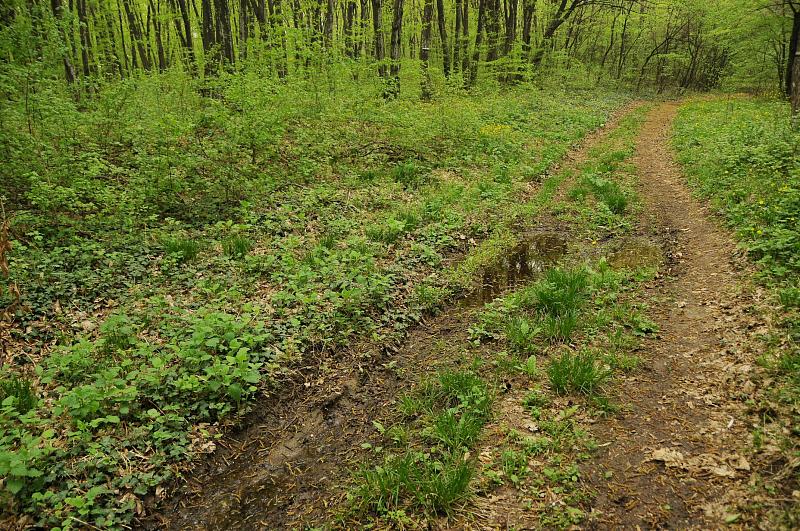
(292, 463)
(670, 458)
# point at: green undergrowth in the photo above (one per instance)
(563, 336)
(178, 256)
(742, 156)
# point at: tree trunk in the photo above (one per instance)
(476, 53)
(440, 16)
(528, 10)
(156, 21)
(135, 29)
(465, 37)
(69, 70)
(493, 29)
(511, 26)
(349, 21)
(397, 36)
(189, 38)
(795, 97)
(425, 50)
(380, 49)
(457, 38)
(327, 32)
(793, 48)
(224, 32)
(83, 31)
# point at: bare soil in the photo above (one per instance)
(676, 457)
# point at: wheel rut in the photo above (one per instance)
(674, 457)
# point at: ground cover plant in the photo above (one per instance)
(188, 307)
(203, 203)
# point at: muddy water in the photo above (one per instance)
(536, 252)
(635, 254)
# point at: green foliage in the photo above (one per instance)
(18, 392)
(743, 156)
(576, 371)
(184, 249)
(355, 203)
(561, 293)
(237, 246)
(454, 407)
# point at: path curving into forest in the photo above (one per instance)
(674, 458)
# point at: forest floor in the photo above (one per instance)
(665, 445)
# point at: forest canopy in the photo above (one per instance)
(740, 44)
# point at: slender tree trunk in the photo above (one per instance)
(83, 31)
(361, 41)
(465, 37)
(380, 49)
(349, 22)
(328, 25)
(425, 50)
(493, 29)
(511, 26)
(440, 17)
(396, 41)
(793, 48)
(189, 37)
(457, 38)
(156, 21)
(476, 53)
(137, 39)
(224, 32)
(528, 10)
(244, 27)
(69, 70)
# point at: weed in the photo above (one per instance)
(579, 372)
(409, 174)
(415, 479)
(22, 392)
(559, 329)
(183, 249)
(562, 292)
(237, 246)
(520, 335)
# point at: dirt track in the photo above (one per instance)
(670, 459)
(673, 456)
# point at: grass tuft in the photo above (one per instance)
(580, 372)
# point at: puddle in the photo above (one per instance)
(636, 254)
(536, 252)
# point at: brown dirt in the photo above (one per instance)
(675, 457)
(292, 464)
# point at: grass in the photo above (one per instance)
(237, 246)
(561, 293)
(19, 393)
(580, 372)
(183, 249)
(452, 408)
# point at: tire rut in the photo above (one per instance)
(673, 458)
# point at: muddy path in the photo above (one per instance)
(292, 463)
(675, 456)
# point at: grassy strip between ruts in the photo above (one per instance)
(186, 316)
(742, 155)
(581, 316)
